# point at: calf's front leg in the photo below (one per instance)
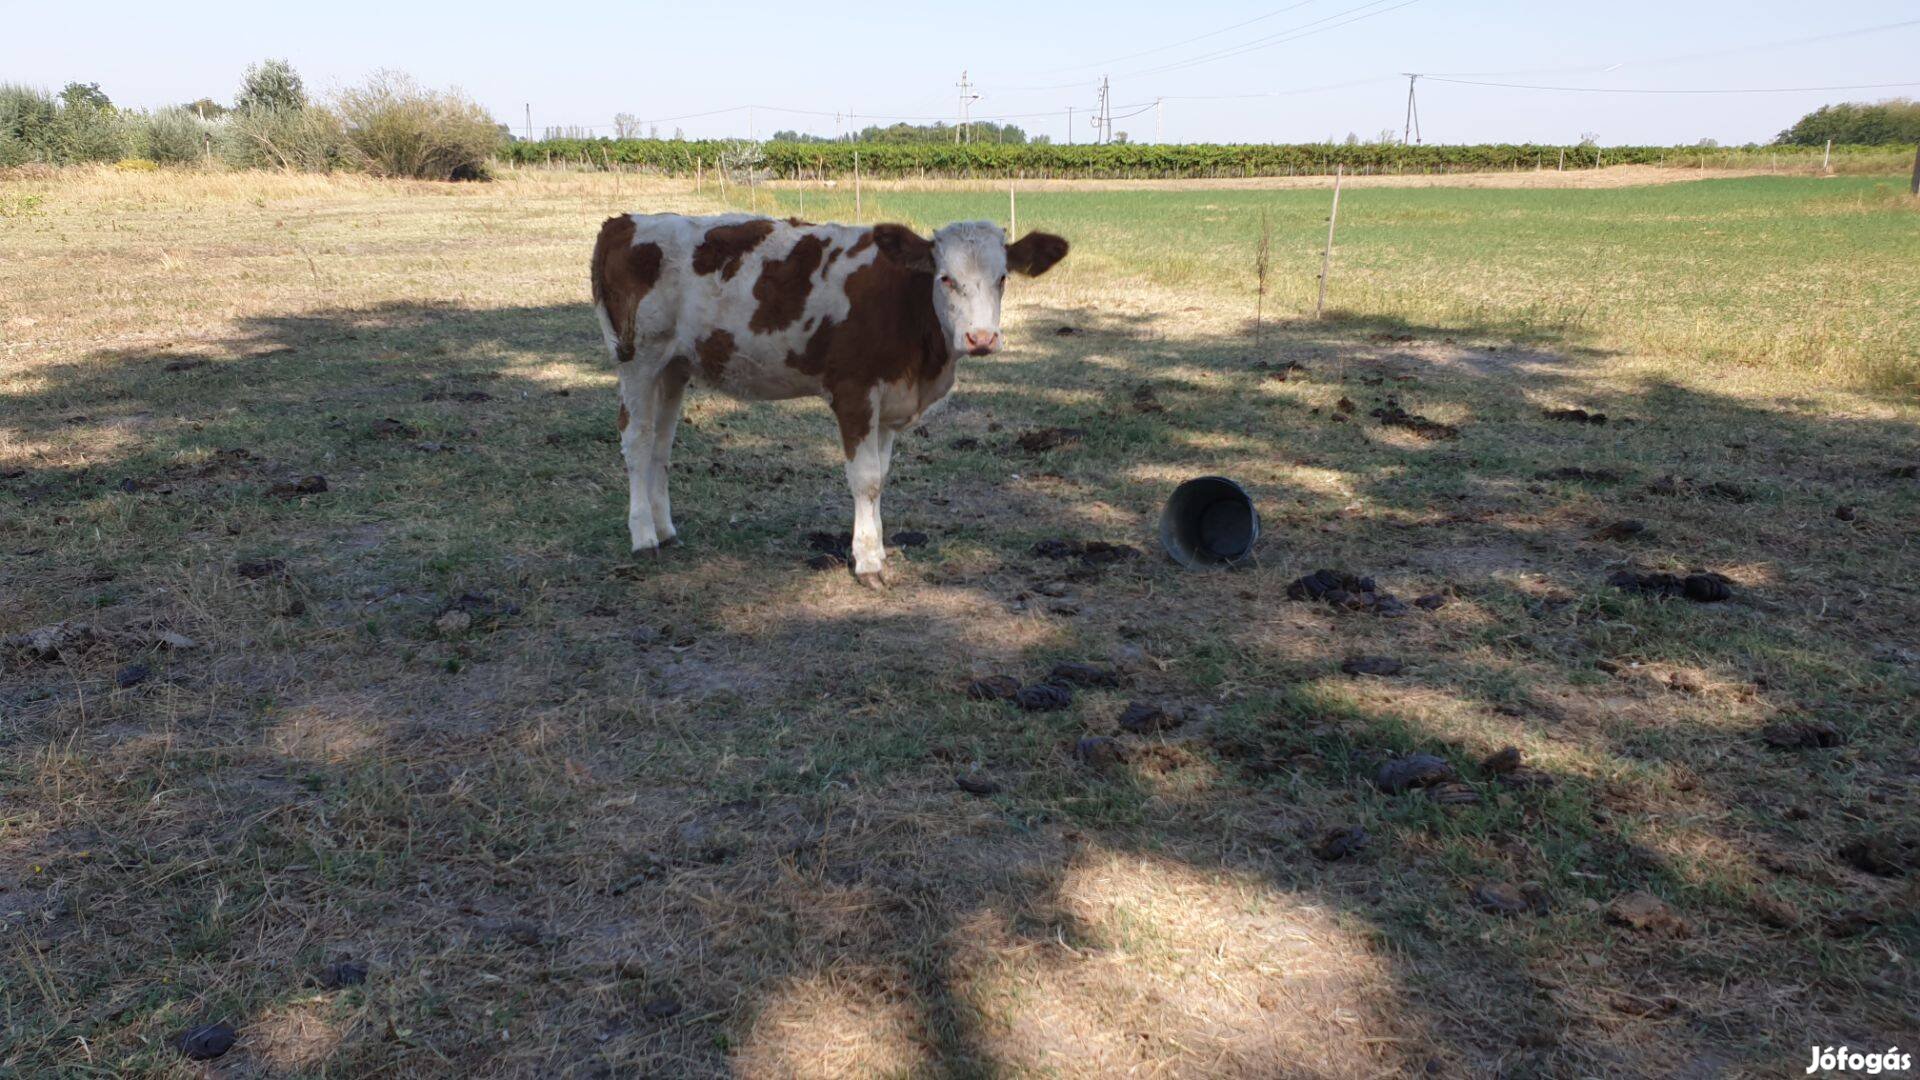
(867, 476)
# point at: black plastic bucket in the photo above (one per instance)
(1209, 521)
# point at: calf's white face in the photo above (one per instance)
(970, 277)
(968, 262)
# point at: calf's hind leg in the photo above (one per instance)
(668, 389)
(637, 431)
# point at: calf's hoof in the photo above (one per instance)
(872, 579)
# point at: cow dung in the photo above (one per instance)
(1803, 735)
(1077, 674)
(1576, 416)
(1703, 587)
(1099, 751)
(975, 784)
(255, 569)
(1504, 760)
(305, 485)
(1412, 771)
(1145, 718)
(1040, 440)
(1341, 843)
(1623, 529)
(1392, 415)
(1044, 697)
(1453, 793)
(342, 973)
(207, 1042)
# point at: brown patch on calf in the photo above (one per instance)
(714, 351)
(799, 224)
(726, 245)
(891, 334)
(622, 274)
(860, 245)
(904, 246)
(623, 416)
(783, 286)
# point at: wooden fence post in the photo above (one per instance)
(1326, 256)
(856, 187)
(1916, 171)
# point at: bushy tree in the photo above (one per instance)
(1896, 120)
(305, 139)
(171, 136)
(271, 85)
(206, 107)
(396, 127)
(78, 95)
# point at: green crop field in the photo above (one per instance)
(1811, 274)
(333, 708)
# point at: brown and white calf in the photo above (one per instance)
(871, 319)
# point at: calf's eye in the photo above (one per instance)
(947, 281)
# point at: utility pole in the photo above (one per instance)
(1159, 116)
(1103, 119)
(964, 133)
(750, 133)
(529, 121)
(1413, 112)
(1069, 125)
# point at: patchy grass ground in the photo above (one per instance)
(701, 816)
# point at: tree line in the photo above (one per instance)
(391, 126)
(387, 125)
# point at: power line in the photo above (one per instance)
(1163, 48)
(1626, 90)
(1279, 37)
(1811, 39)
(1304, 30)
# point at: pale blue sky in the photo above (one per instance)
(581, 62)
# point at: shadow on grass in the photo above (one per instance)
(722, 784)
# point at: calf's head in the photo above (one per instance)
(969, 261)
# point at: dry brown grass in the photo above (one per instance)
(697, 817)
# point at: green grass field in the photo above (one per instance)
(1811, 274)
(701, 816)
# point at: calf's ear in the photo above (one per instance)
(904, 246)
(1035, 253)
